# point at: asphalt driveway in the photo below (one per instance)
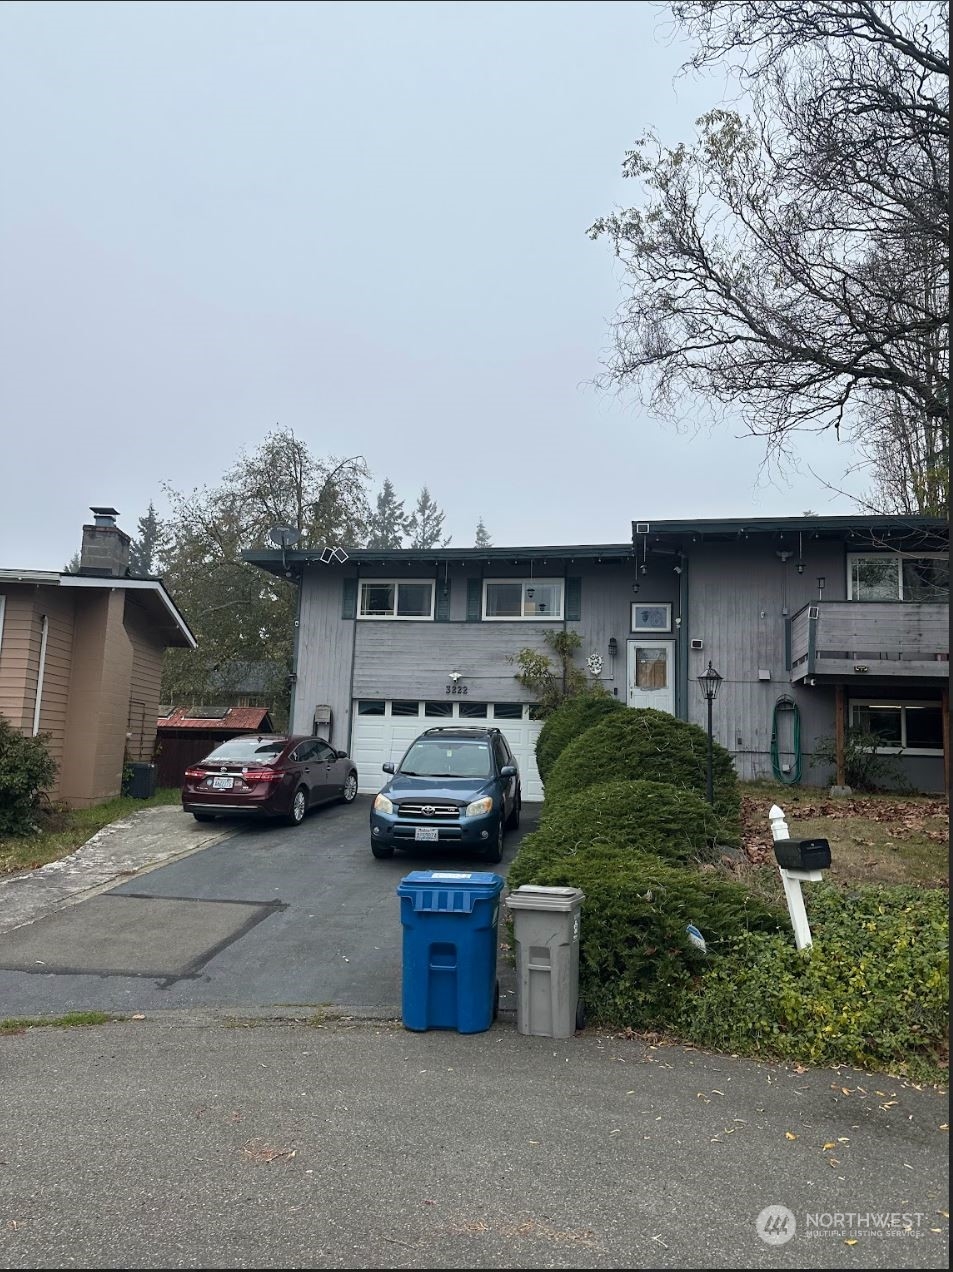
(269, 916)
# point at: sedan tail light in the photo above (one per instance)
(195, 774)
(262, 775)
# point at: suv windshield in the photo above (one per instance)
(433, 757)
(246, 751)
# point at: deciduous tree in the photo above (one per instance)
(791, 264)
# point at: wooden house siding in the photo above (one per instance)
(325, 642)
(740, 597)
(144, 683)
(408, 659)
(54, 704)
(736, 598)
(19, 655)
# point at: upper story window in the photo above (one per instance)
(383, 598)
(898, 576)
(522, 598)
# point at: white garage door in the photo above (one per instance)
(383, 729)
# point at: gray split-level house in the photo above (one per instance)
(815, 624)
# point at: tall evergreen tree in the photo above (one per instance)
(425, 523)
(144, 549)
(483, 539)
(387, 524)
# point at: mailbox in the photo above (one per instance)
(803, 854)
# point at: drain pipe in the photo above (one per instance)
(681, 641)
(44, 633)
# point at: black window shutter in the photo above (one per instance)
(349, 599)
(474, 600)
(442, 608)
(573, 600)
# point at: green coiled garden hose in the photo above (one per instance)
(786, 704)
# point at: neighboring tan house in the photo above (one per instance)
(81, 659)
(184, 738)
(814, 624)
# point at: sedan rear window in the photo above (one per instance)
(247, 751)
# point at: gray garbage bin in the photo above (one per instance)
(546, 935)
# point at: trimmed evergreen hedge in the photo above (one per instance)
(571, 717)
(635, 959)
(649, 745)
(676, 825)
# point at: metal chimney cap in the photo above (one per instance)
(105, 516)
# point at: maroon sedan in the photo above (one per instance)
(268, 774)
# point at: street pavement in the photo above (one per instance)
(275, 1136)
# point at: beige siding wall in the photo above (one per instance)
(19, 654)
(113, 703)
(56, 675)
(82, 718)
(144, 683)
(100, 682)
(24, 609)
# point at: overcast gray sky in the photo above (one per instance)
(363, 221)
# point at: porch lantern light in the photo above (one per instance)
(709, 681)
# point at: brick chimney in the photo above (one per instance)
(105, 550)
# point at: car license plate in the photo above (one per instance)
(222, 783)
(426, 832)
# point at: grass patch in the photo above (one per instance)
(886, 838)
(71, 1020)
(61, 830)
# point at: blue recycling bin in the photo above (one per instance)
(450, 920)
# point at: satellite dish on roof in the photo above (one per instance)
(284, 536)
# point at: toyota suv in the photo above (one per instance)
(456, 787)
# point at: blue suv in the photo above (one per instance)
(456, 787)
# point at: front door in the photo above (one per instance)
(651, 674)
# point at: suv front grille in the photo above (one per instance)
(427, 811)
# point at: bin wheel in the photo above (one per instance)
(381, 850)
(496, 1000)
(580, 1014)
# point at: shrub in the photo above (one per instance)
(635, 959)
(676, 825)
(26, 768)
(551, 687)
(573, 717)
(872, 992)
(649, 745)
(866, 767)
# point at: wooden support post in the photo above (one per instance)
(945, 700)
(839, 734)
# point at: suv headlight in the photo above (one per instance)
(480, 806)
(383, 805)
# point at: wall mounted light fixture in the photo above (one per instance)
(613, 647)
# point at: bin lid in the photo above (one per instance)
(449, 891)
(532, 896)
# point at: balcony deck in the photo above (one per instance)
(850, 640)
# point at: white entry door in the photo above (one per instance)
(651, 674)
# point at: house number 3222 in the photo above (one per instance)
(457, 689)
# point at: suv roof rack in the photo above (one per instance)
(462, 728)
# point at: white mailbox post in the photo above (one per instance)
(796, 851)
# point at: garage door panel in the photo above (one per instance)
(381, 739)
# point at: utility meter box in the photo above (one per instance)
(322, 721)
(803, 854)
